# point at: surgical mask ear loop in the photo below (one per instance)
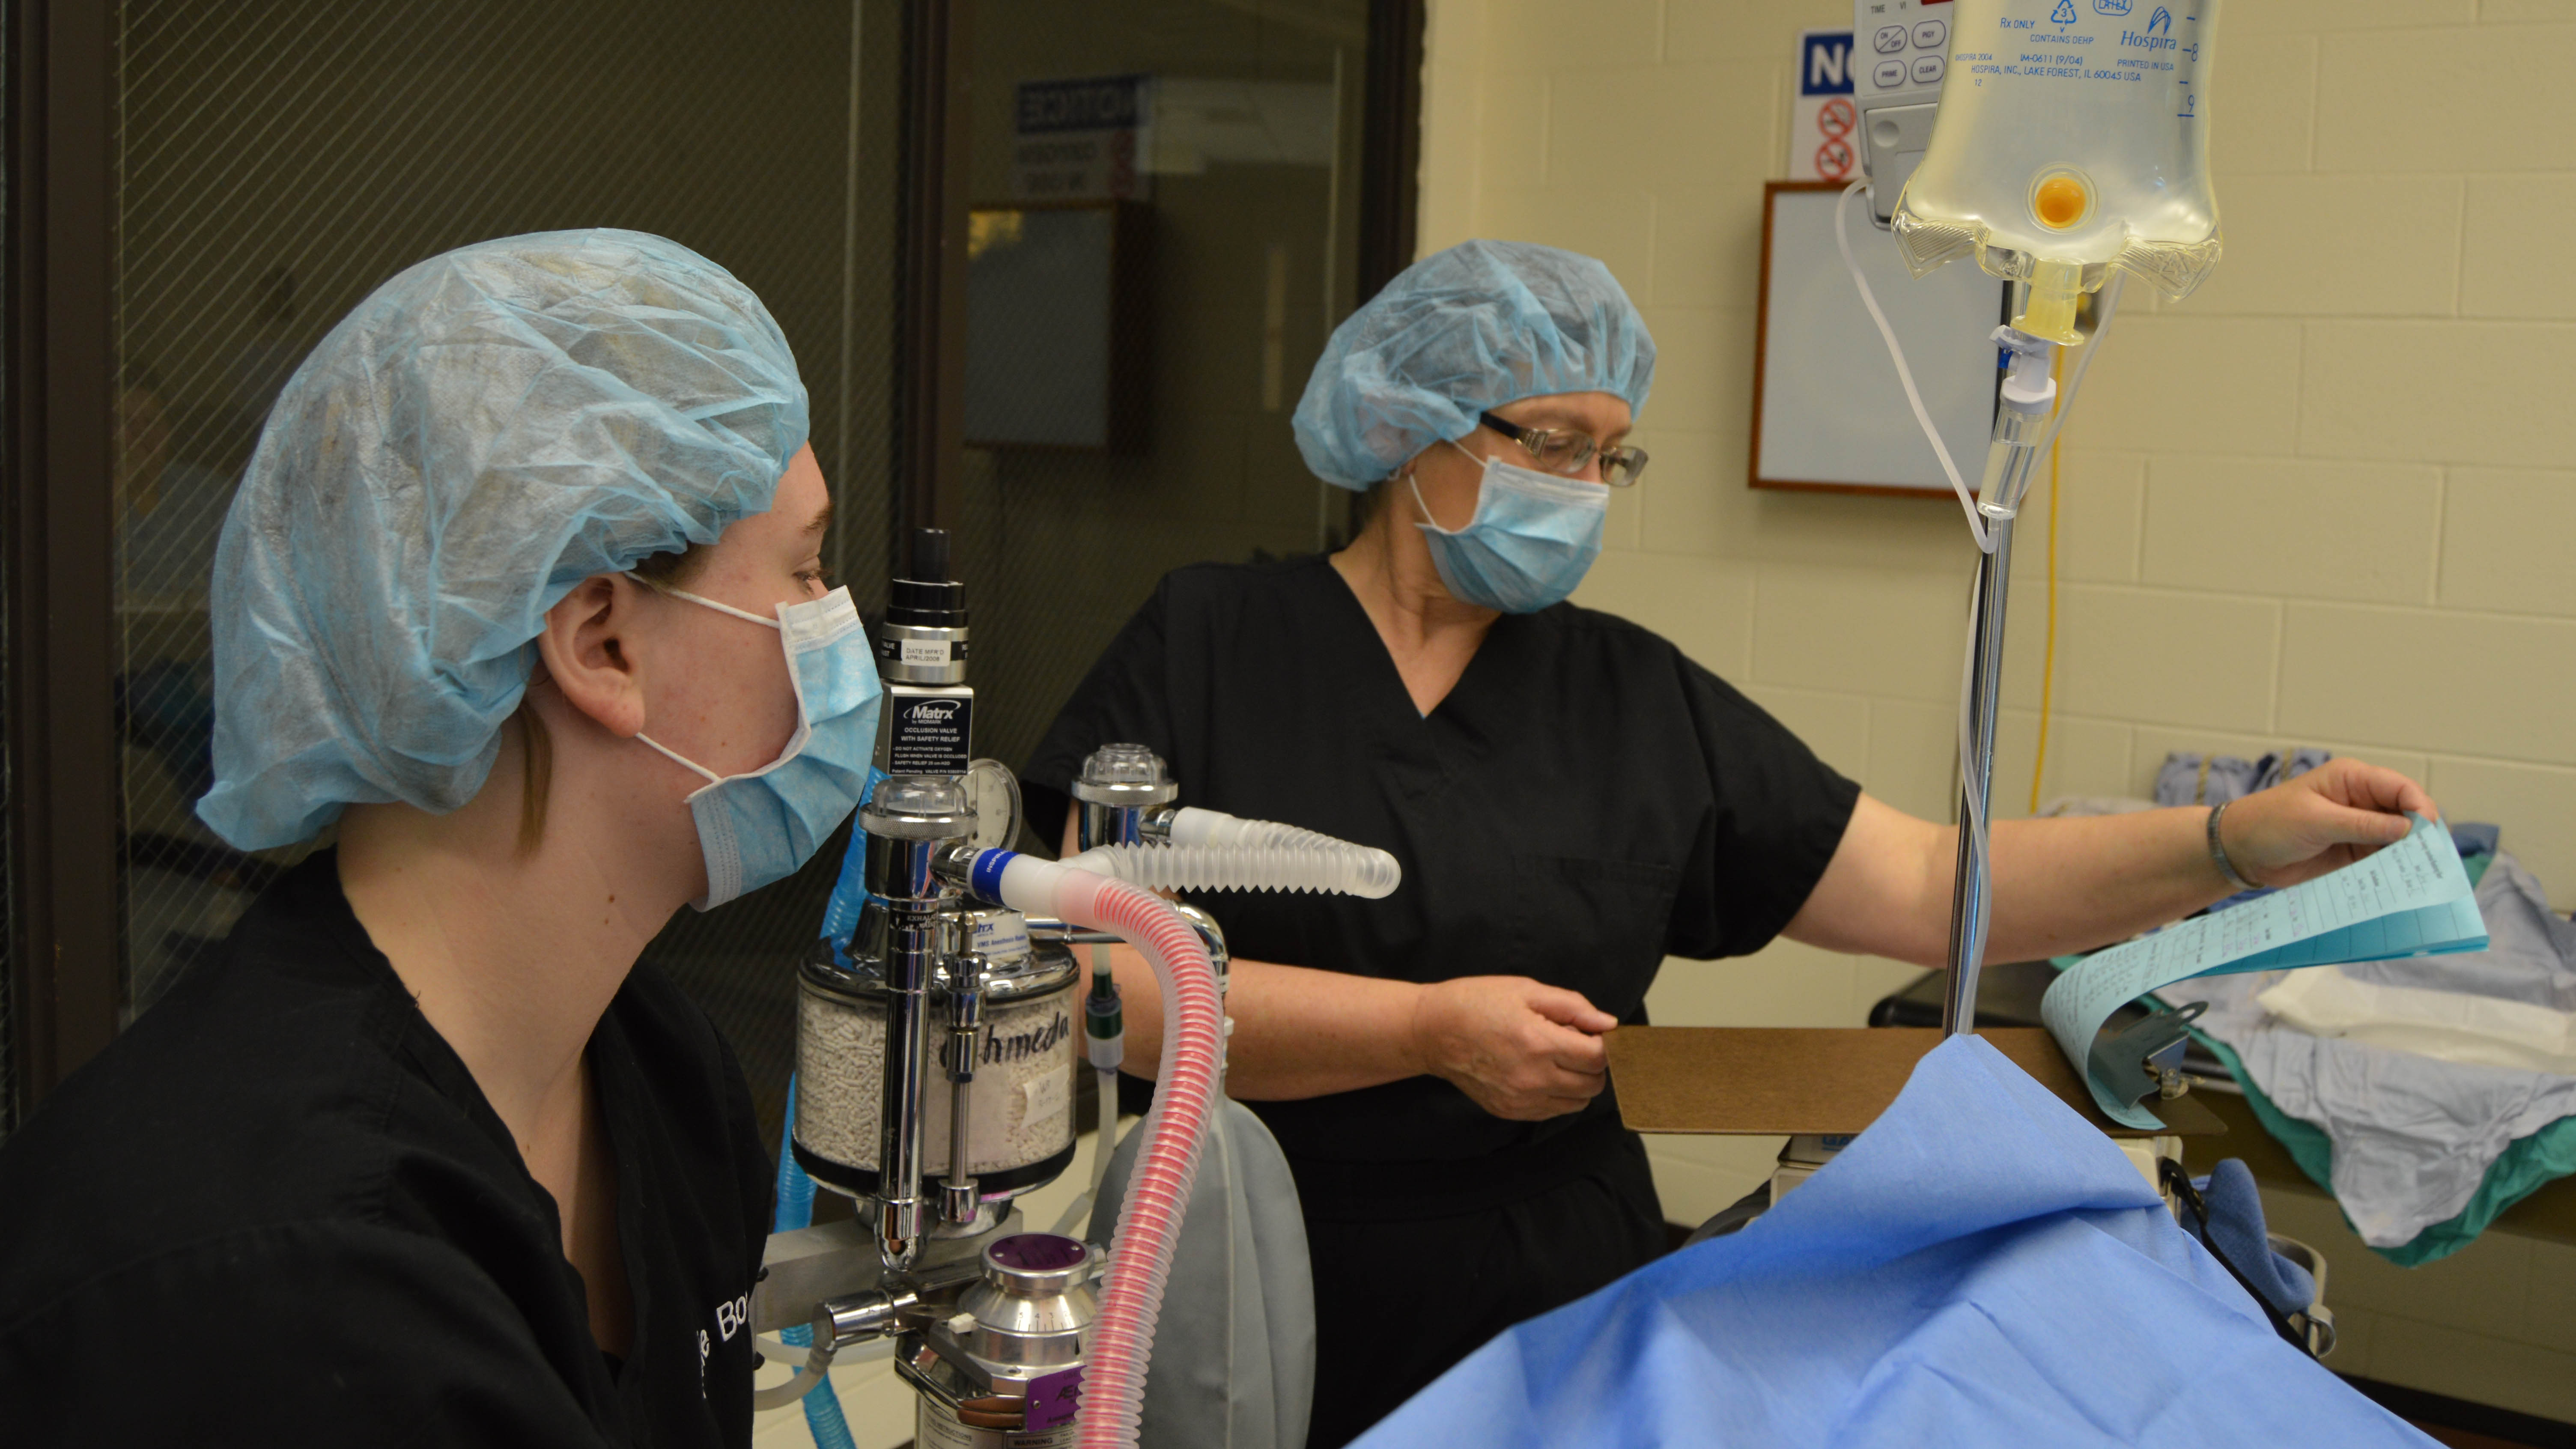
(1416, 485)
(679, 759)
(721, 608)
(1415, 482)
(661, 588)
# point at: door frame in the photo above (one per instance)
(60, 645)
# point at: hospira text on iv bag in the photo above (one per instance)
(2073, 137)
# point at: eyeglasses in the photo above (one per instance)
(1565, 451)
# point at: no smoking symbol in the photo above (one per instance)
(1835, 118)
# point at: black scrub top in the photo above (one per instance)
(1585, 802)
(279, 1211)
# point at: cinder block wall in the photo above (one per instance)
(2327, 500)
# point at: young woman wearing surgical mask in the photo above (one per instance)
(524, 592)
(515, 919)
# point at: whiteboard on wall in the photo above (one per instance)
(1828, 412)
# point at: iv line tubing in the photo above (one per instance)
(2010, 460)
(1905, 374)
(2107, 309)
(2104, 310)
(2048, 649)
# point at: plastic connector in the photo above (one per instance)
(1104, 1024)
(2028, 387)
(2050, 311)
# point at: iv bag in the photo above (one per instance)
(2073, 137)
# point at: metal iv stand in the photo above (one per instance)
(2021, 425)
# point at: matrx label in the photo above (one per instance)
(930, 735)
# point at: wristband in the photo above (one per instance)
(2218, 853)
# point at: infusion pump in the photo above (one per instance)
(1900, 53)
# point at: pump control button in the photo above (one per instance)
(1928, 68)
(1889, 75)
(1891, 39)
(1929, 34)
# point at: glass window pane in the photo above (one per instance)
(1229, 137)
(277, 159)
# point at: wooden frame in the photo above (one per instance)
(62, 801)
(1771, 191)
(1390, 142)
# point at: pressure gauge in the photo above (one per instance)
(993, 792)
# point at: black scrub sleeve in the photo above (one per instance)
(309, 1333)
(1777, 813)
(1123, 700)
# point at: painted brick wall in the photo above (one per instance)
(2327, 500)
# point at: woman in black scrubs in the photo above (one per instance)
(422, 1155)
(1573, 800)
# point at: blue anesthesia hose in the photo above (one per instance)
(849, 889)
(796, 1210)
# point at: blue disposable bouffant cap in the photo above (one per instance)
(487, 430)
(1480, 325)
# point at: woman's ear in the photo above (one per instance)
(585, 651)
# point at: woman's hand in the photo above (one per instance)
(2325, 819)
(1519, 1049)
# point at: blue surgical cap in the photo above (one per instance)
(487, 430)
(1480, 325)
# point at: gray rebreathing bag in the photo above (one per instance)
(1234, 1348)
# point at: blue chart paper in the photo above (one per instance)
(2410, 899)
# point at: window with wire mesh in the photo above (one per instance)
(1183, 178)
(277, 159)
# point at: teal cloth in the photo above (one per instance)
(2528, 1165)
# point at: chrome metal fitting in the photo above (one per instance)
(918, 807)
(841, 1322)
(1124, 776)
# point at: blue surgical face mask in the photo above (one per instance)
(757, 828)
(1532, 540)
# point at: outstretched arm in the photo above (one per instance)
(2069, 885)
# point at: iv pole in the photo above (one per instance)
(2021, 426)
(1972, 884)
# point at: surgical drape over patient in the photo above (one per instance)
(488, 429)
(1478, 326)
(1980, 1267)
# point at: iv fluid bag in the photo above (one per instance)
(2073, 137)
